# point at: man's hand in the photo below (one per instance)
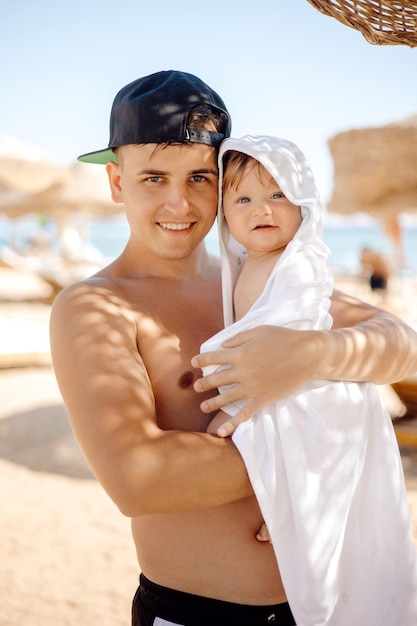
(264, 365)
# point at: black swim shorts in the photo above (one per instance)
(154, 605)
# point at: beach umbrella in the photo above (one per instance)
(70, 204)
(386, 22)
(375, 171)
(84, 189)
(25, 170)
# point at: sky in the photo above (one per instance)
(282, 68)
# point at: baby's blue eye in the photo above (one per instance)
(243, 200)
(278, 195)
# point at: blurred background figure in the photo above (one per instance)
(376, 268)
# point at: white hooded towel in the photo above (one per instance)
(324, 463)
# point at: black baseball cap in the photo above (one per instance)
(155, 109)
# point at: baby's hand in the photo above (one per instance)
(263, 534)
(221, 425)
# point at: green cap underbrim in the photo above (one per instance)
(101, 156)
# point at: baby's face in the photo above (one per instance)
(258, 214)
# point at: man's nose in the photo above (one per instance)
(177, 199)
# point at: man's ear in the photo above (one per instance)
(115, 180)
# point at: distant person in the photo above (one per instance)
(376, 267)
(337, 517)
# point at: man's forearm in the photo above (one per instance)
(381, 349)
(177, 471)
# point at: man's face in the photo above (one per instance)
(169, 193)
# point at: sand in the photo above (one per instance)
(66, 553)
(67, 556)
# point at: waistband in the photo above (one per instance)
(192, 610)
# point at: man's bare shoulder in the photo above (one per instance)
(106, 285)
(97, 302)
(125, 288)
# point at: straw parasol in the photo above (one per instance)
(71, 204)
(385, 22)
(84, 189)
(375, 171)
(25, 170)
(87, 190)
(84, 193)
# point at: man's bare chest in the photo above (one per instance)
(167, 339)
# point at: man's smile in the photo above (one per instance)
(173, 226)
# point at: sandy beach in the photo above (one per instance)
(67, 555)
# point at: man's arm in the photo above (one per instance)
(269, 363)
(111, 407)
(369, 344)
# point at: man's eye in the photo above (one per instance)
(154, 179)
(199, 178)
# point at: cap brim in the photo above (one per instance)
(100, 156)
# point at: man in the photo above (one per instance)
(122, 343)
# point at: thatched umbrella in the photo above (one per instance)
(84, 193)
(84, 189)
(386, 22)
(375, 171)
(24, 169)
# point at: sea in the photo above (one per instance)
(344, 236)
